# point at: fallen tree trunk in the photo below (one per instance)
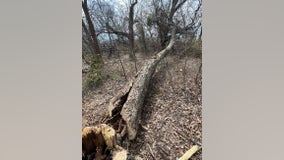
(128, 102)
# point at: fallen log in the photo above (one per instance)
(128, 102)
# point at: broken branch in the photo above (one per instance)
(190, 152)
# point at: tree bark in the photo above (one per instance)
(130, 100)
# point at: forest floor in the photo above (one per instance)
(171, 118)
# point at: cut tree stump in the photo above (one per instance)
(96, 140)
(129, 102)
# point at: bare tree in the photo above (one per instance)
(130, 27)
(130, 33)
(163, 16)
(142, 38)
(92, 33)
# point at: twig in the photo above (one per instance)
(121, 65)
(123, 132)
(198, 72)
(151, 151)
(135, 61)
(183, 136)
(162, 152)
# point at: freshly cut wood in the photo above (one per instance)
(130, 100)
(119, 153)
(109, 136)
(97, 139)
(190, 152)
(92, 139)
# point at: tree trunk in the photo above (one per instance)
(89, 38)
(130, 28)
(92, 31)
(142, 38)
(129, 101)
(163, 35)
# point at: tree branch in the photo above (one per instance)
(175, 7)
(115, 31)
